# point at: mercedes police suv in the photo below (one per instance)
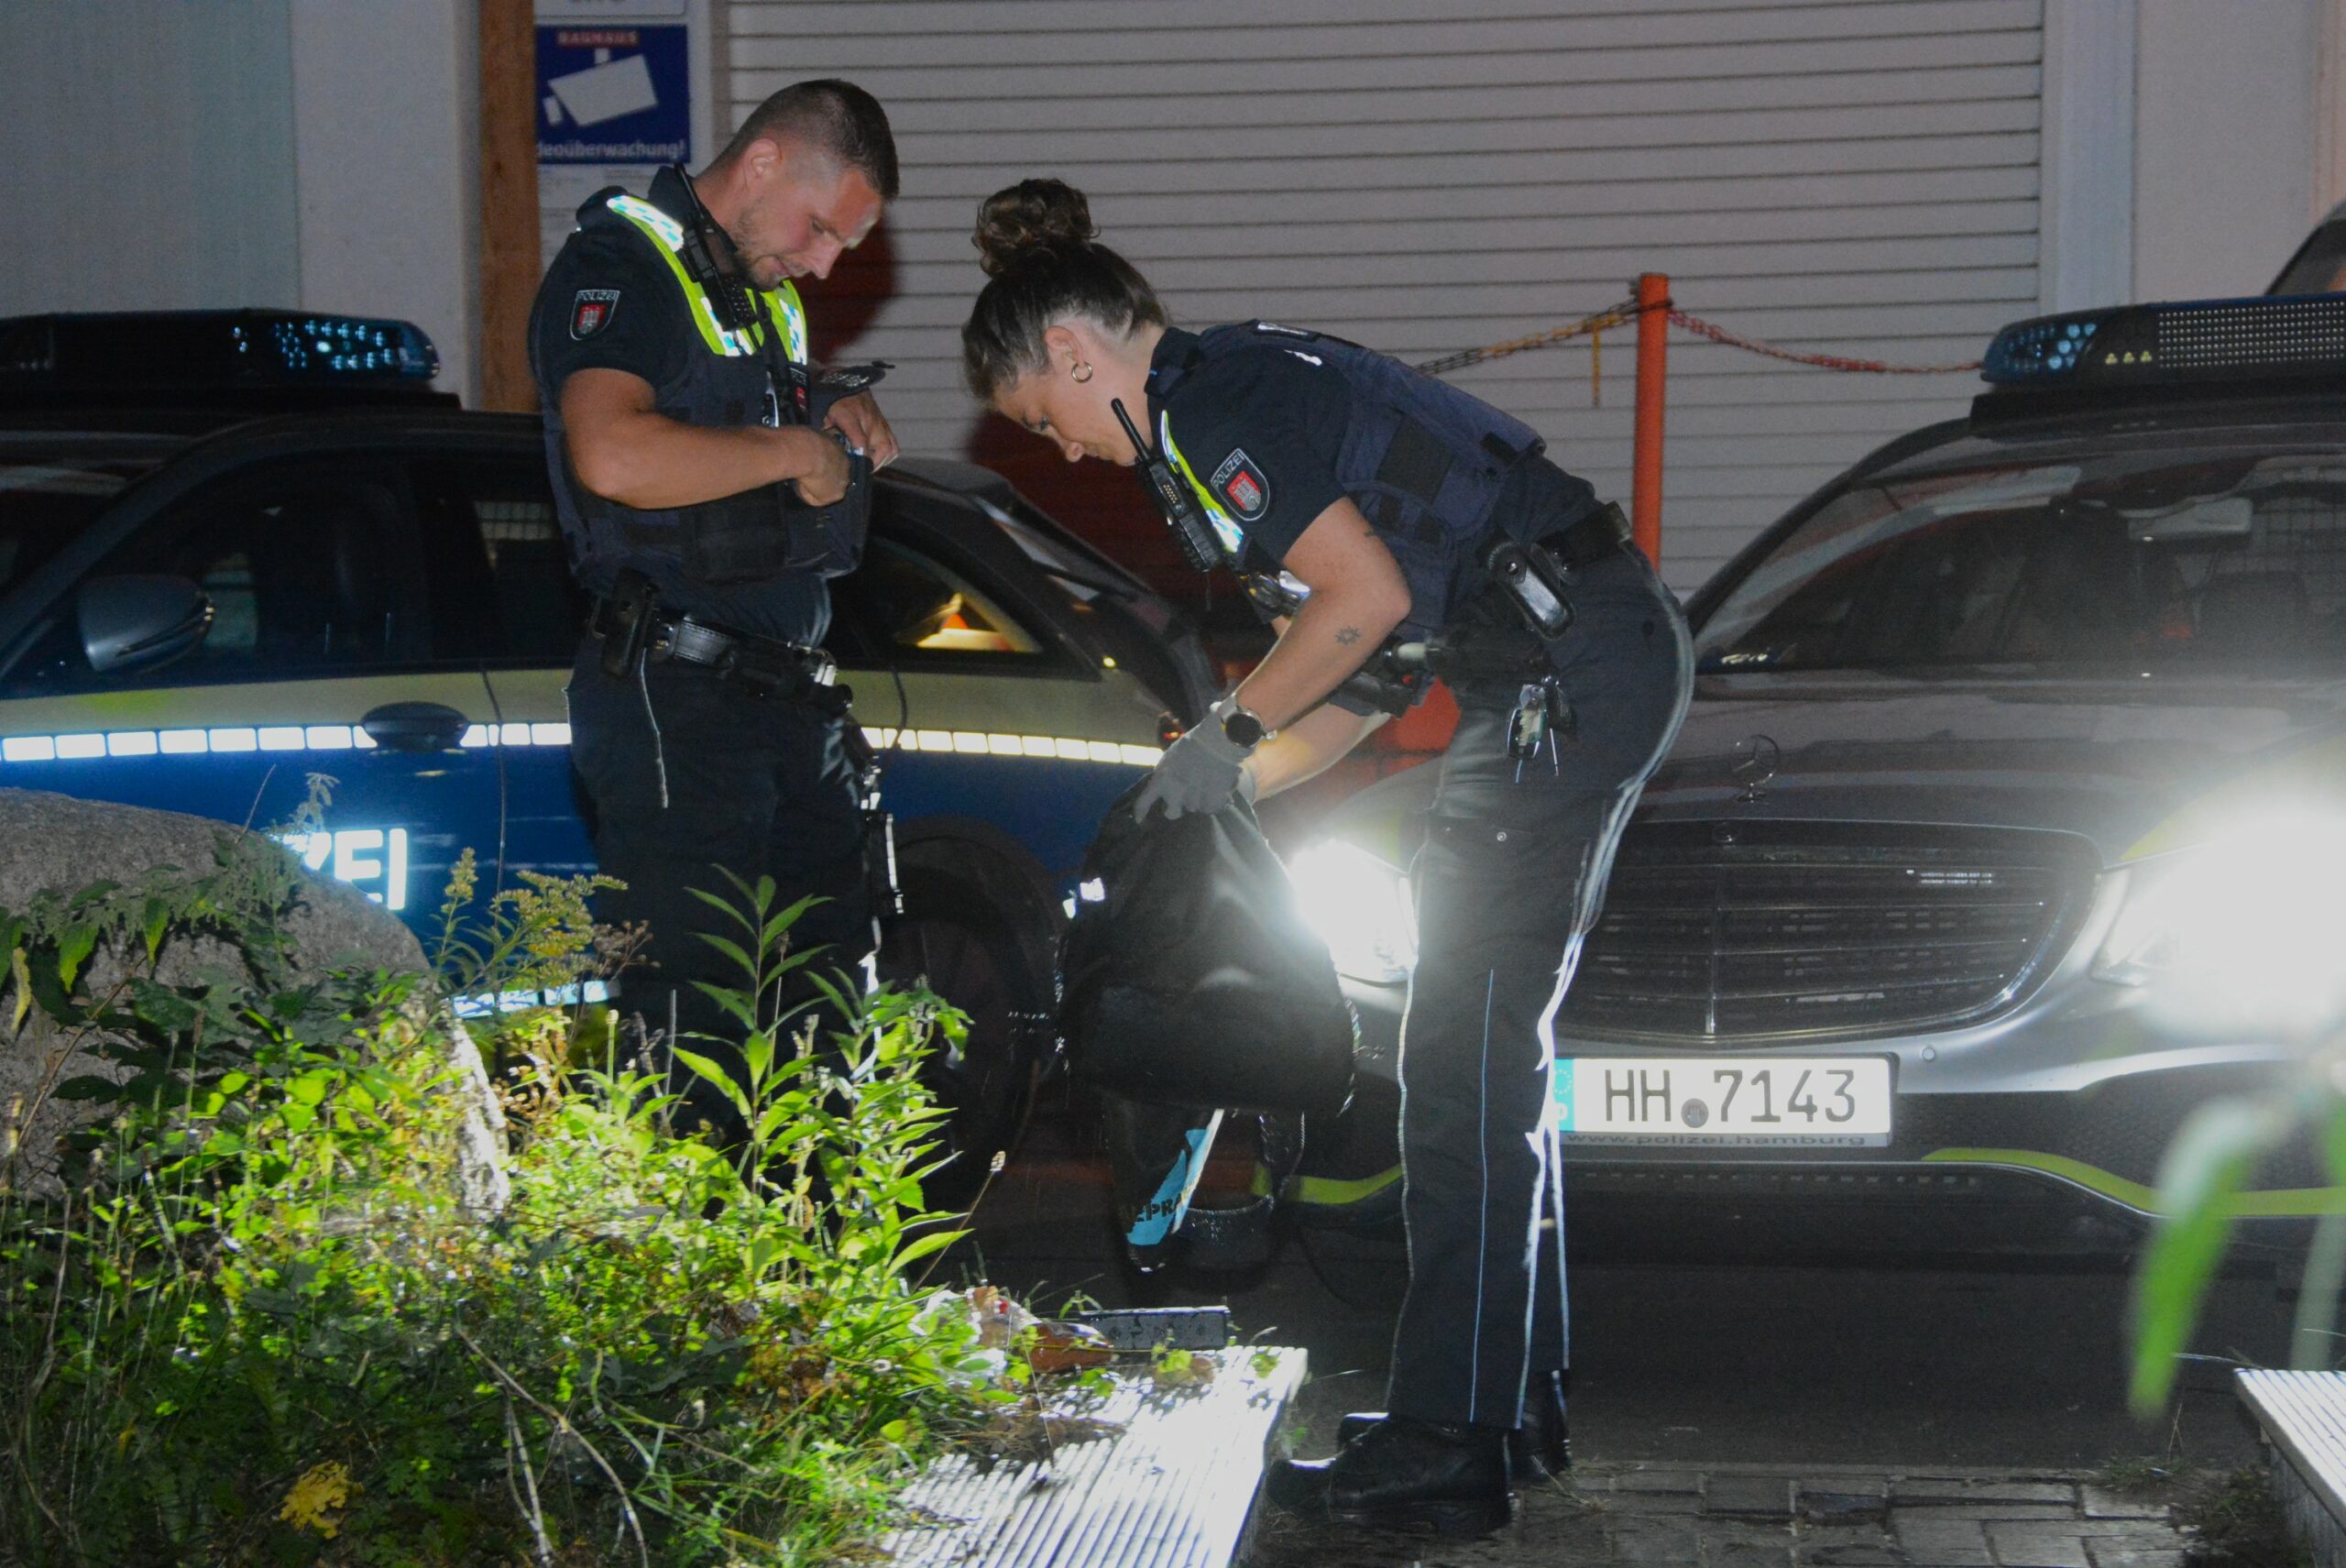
(2009, 823)
(205, 599)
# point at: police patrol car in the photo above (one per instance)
(205, 599)
(2009, 824)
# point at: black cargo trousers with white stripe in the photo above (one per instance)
(1509, 880)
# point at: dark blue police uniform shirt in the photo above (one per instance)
(1269, 422)
(1261, 430)
(646, 330)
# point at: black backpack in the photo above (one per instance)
(1189, 977)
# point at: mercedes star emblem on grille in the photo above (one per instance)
(1755, 760)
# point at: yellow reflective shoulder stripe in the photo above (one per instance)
(783, 305)
(668, 239)
(652, 220)
(1225, 527)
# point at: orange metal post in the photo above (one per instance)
(1644, 448)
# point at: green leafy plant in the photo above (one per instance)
(2233, 1518)
(260, 1324)
(2210, 1160)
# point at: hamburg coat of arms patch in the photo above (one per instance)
(1241, 488)
(591, 311)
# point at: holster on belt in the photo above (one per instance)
(1535, 575)
(634, 625)
(623, 619)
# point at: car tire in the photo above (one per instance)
(964, 931)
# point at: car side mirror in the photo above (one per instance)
(136, 623)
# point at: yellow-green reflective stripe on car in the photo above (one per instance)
(2283, 1204)
(230, 739)
(2315, 775)
(1114, 719)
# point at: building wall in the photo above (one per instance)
(387, 143)
(1859, 179)
(147, 155)
(317, 155)
(2225, 140)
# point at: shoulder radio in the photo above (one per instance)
(1172, 497)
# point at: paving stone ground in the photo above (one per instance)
(1758, 1516)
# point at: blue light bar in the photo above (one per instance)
(2202, 340)
(2048, 346)
(194, 350)
(339, 346)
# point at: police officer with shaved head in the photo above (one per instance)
(708, 483)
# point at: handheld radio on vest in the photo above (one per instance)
(707, 254)
(1190, 527)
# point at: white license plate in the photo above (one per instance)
(1751, 1101)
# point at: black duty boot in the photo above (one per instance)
(1541, 1448)
(1401, 1472)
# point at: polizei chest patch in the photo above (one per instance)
(1241, 486)
(591, 311)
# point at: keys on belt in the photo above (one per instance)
(1542, 713)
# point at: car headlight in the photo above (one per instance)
(2245, 934)
(1360, 905)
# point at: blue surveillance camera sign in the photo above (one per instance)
(613, 95)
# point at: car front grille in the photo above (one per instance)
(1716, 933)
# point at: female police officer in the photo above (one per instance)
(1402, 505)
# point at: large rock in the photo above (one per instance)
(58, 843)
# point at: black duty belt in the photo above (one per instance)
(1597, 534)
(1535, 576)
(766, 665)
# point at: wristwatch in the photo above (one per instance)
(1240, 728)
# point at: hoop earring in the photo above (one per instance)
(1083, 370)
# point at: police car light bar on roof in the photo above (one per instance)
(2202, 340)
(151, 349)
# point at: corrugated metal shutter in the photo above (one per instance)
(1426, 176)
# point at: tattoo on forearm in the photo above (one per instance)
(1348, 636)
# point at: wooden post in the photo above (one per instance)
(510, 262)
(1644, 448)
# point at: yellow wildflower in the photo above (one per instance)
(322, 1489)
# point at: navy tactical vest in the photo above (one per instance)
(710, 559)
(1423, 460)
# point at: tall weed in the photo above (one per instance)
(262, 1326)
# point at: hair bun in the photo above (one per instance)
(1032, 215)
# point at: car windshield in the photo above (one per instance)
(48, 494)
(2229, 560)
